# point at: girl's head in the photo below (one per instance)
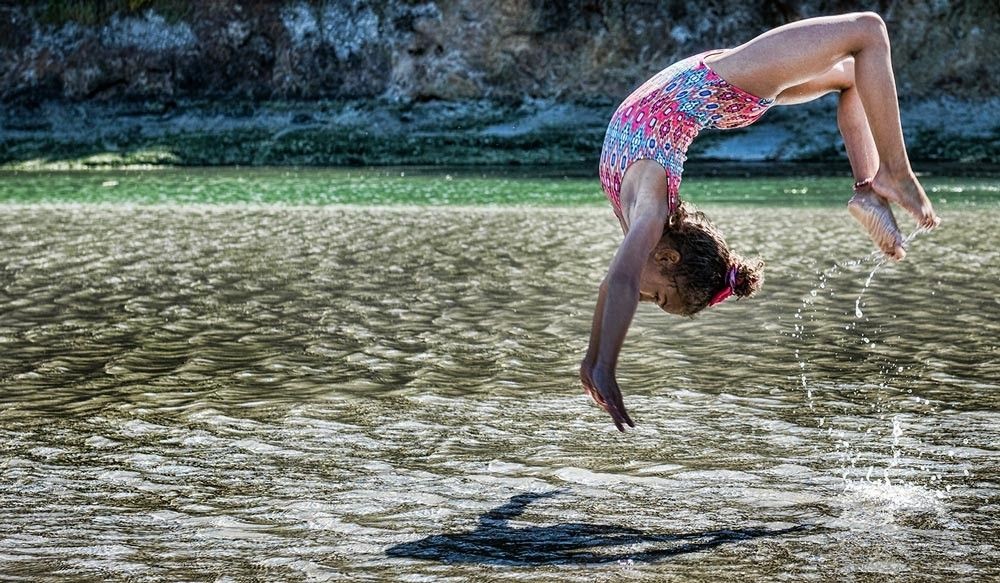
(694, 262)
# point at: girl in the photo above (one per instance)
(672, 255)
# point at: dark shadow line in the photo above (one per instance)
(494, 541)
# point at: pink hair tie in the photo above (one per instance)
(726, 291)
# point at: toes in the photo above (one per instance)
(895, 253)
(909, 195)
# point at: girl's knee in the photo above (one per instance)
(872, 28)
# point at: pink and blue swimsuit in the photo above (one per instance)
(660, 119)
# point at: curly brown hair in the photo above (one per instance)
(705, 260)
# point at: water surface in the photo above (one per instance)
(378, 392)
(538, 185)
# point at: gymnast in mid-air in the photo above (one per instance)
(671, 254)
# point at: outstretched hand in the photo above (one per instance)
(605, 392)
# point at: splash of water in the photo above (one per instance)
(880, 260)
(897, 432)
(868, 282)
(799, 328)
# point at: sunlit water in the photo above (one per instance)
(285, 392)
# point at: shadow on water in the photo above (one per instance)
(494, 541)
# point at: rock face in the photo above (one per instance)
(306, 82)
(581, 51)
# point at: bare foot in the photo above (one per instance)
(874, 214)
(908, 194)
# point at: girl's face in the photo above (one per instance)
(658, 288)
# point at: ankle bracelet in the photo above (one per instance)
(858, 185)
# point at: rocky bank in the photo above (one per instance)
(460, 81)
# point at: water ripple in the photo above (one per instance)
(293, 392)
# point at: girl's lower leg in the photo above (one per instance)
(868, 208)
(775, 61)
(876, 87)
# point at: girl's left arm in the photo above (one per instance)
(616, 305)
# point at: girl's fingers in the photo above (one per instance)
(616, 408)
(612, 403)
(620, 405)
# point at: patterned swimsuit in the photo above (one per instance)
(660, 119)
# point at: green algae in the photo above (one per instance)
(303, 147)
(380, 133)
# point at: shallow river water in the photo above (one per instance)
(378, 393)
